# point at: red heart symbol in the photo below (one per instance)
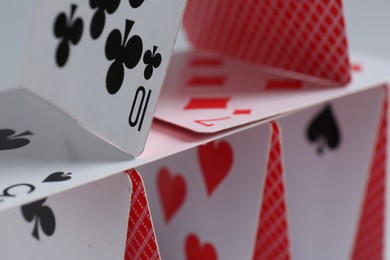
(172, 190)
(195, 251)
(216, 160)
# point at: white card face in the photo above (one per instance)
(328, 151)
(89, 222)
(206, 94)
(43, 151)
(211, 194)
(103, 62)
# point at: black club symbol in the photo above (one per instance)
(122, 51)
(152, 60)
(99, 18)
(136, 3)
(68, 31)
(43, 216)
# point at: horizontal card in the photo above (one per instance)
(206, 93)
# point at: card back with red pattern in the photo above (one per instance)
(307, 37)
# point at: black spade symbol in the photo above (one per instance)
(324, 131)
(58, 176)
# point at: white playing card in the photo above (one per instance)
(211, 194)
(328, 153)
(89, 222)
(38, 141)
(77, 63)
(206, 93)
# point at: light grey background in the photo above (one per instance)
(368, 26)
(15, 23)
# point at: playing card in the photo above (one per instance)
(103, 63)
(43, 151)
(334, 163)
(207, 93)
(87, 222)
(307, 37)
(205, 202)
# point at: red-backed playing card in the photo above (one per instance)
(307, 37)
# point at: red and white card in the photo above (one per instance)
(207, 93)
(305, 37)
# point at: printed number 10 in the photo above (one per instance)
(139, 107)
